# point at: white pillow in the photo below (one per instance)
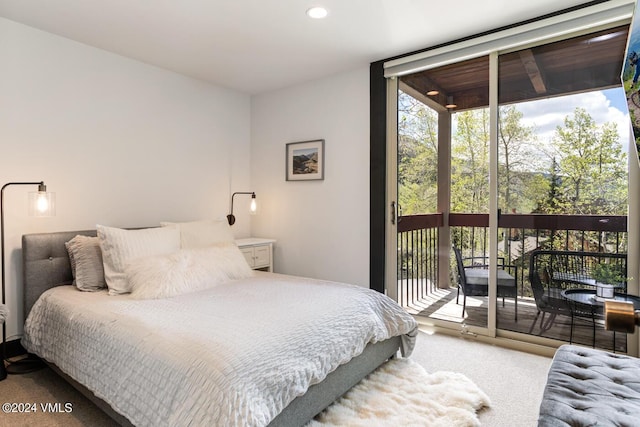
(188, 270)
(120, 247)
(199, 234)
(86, 263)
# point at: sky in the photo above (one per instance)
(304, 151)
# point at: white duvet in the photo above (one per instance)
(234, 355)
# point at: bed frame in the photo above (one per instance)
(46, 265)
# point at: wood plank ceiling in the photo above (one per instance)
(585, 63)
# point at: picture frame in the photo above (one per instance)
(305, 160)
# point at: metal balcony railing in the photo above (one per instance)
(518, 236)
(417, 256)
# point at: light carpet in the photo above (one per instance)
(402, 393)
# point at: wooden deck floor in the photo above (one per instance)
(441, 304)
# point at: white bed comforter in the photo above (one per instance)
(235, 355)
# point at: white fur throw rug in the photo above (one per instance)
(402, 393)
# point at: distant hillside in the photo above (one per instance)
(303, 164)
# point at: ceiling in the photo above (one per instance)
(579, 64)
(256, 46)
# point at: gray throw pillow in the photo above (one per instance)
(86, 263)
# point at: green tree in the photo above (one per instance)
(417, 156)
(586, 174)
(515, 142)
(592, 166)
(470, 162)
(552, 202)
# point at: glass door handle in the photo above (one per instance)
(393, 212)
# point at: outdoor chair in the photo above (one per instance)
(473, 279)
(555, 274)
(592, 314)
(549, 299)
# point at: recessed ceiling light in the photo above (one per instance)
(433, 92)
(317, 12)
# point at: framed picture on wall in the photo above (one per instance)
(305, 160)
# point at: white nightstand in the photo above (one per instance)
(258, 252)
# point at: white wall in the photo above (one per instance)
(322, 227)
(121, 143)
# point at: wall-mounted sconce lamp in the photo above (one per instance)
(620, 316)
(41, 203)
(253, 208)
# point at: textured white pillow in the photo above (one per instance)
(188, 270)
(119, 247)
(86, 263)
(199, 234)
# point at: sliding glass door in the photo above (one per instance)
(442, 152)
(562, 177)
(493, 157)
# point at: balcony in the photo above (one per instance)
(423, 291)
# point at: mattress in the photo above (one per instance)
(233, 355)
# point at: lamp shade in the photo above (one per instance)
(253, 208)
(42, 203)
(620, 316)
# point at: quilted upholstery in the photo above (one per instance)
(588, 387)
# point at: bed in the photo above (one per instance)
(267, 349)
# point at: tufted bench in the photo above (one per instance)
(588, 387)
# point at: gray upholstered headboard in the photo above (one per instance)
(45, 263)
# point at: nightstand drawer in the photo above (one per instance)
(262, 256)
